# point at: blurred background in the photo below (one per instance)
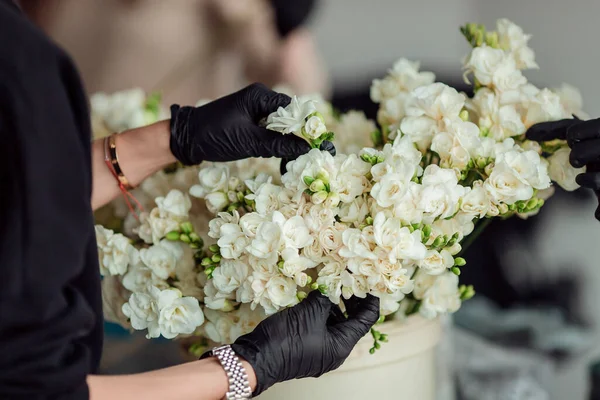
(538, 281)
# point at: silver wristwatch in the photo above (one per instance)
(239, 387)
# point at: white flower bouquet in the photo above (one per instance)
(225, 245)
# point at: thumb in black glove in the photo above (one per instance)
(305, 341)
(227, 129)
(583, 137)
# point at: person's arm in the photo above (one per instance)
(200, 380)
(141, 153)
(224, 130)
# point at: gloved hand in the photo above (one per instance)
(306, 340)
(583, 137)
(289, 15)
(227, 129)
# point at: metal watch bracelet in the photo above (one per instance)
(239, 386)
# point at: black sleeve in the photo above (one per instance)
(45, 219)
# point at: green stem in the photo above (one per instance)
(481, 225)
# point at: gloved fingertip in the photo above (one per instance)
(328, 146)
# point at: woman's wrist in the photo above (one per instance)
(145, 150)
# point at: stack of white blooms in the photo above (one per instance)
(387, 220)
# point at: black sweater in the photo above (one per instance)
(50, 302)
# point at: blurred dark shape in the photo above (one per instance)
(594, 377)
(289, 15)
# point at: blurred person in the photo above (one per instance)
(53, 176)
(188, 50)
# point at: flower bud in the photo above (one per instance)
(233, 207)
(427, 230)
(185, 238)
(240, 197)
(488, 169)
(215, 258)
(460, 262)
(323, 289)
(332, 201)
(214, 248)
(532, 204)
(491, 39)
(503, 208)
(367, 158)
(308, 180)
(301, 295)
(173, 236)
(438, 241)
(319, 197)
(481, 162)
(464, 115)
(455, 271)
(377, 345)
(186, 227)
(369, 220)
(314, 286)
(317, 186)
(206, 262)
(323, 175)
(194, 236)
(233, 183)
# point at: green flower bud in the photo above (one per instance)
(185, 238)
(491, 39)
(240, 197)
(540, 202)
(481, 162)
(314, 286)
(381, 319)
(319, 197)
(323, 289)
(380, 159)
(372, 350)
(369, 220)
(194, 236)
(427, 230)
(317, 186)
(215, 258)
(173, 236)
(455, 271)
(308, 180)
(280, 264)
(366, 158)
(376, 334)
(460, 262)
(194, 245)
(377, 345)
(384, 338)
(301, 296)
(532, 204)
(214, 248)
(206, 261)
(324, 176)
(233, 207)
(464, 115)
(438, 241)
(187, 227)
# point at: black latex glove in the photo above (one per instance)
(306, 340)
(583, 137)
(289, 15)
(227, 129)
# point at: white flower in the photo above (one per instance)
(315, 127)
(561, 171)
(213, 178)
(222, 218)
(476, 202)
(122, 110)
(353, 132)
(409, 246)
(436, 262)
(528, 166)
(511, 37)
(330, 238)
(291, 118)
(400, 281)
(142, 311)
(439, 294)
(356, 245)
(216, 201)
(545, 106)
(501, 121)
(250, 223)
(427, 108)
(407, 209)
(267, 198)
(115, 252)
(441, 193)
(571, 100)
(404, 76)
(138, 277)
(155, 226)
(216, 300)
(391, 188)
(281, 291)
(178, 315)
(295, 264)
(319, 217)
(175, 204)
(294, 232)
(220, 327)
(354, 285)
(389, 303)
(230, 275)
(232, 241)
(504, 185)
(354, 212)
(160, 260)
(495, 68)
(267, 241)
